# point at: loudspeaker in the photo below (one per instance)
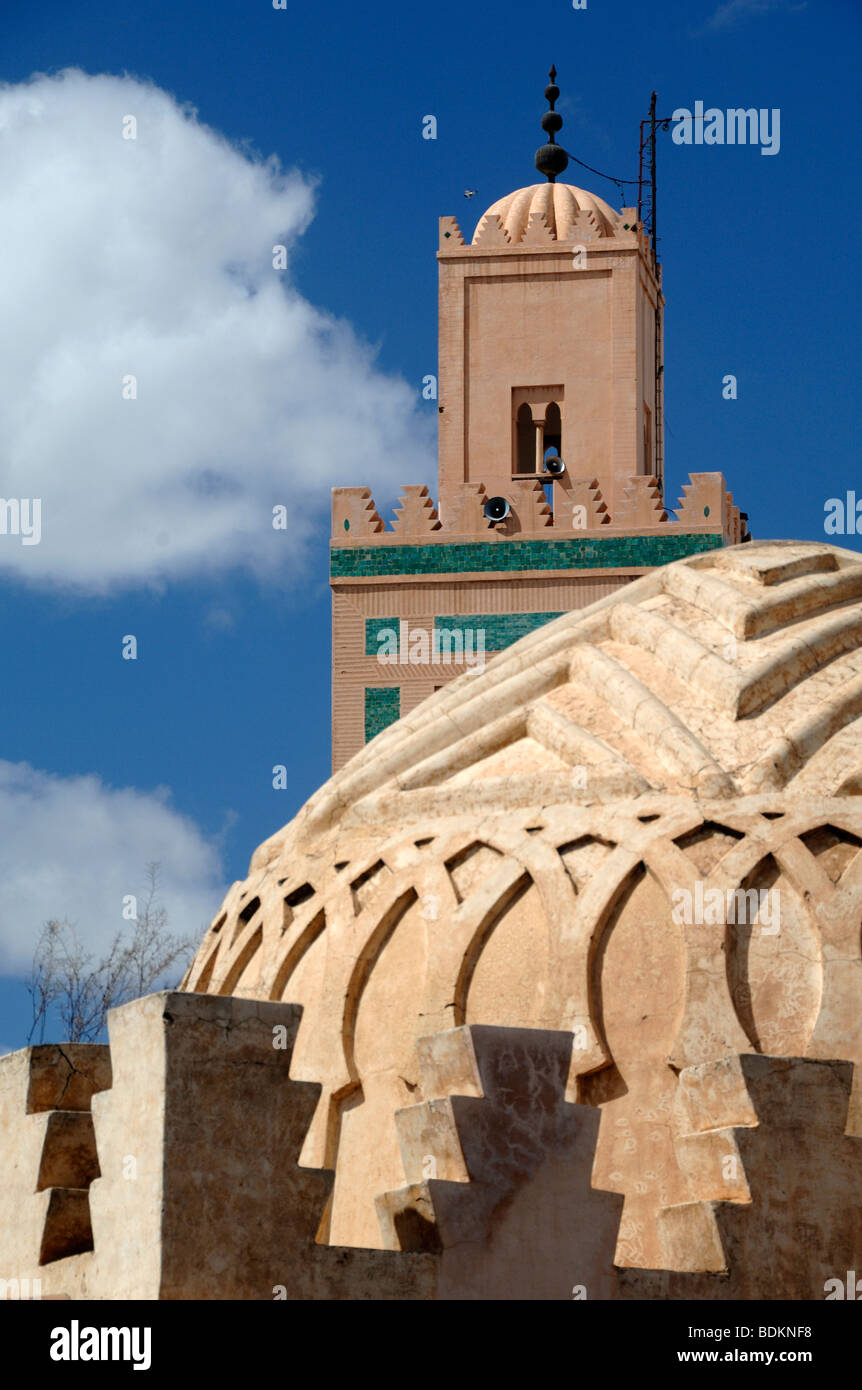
(496, 509)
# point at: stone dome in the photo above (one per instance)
(511, 853)
(559, 203)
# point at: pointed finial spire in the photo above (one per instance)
(551, 159)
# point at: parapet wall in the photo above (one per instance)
(167, 1167)
(705, 509)
(181, 1179)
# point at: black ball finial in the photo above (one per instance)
(551, 159)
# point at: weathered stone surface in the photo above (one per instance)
(48, 1160)
(798, 1222)
(500, 1182)
(219, 1207)
(200, 1195)
(518, 850)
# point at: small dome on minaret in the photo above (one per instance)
(559, 204)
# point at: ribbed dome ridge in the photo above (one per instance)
(559, 203)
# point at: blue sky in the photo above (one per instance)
(170, 757)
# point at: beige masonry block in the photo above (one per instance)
(488, 1173)
(48, 1160)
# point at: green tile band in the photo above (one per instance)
(471, 557)
(382, 708)
(500, 630)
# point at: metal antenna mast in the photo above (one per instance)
(647, 176)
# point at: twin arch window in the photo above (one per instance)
(538, 431)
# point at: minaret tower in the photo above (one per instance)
(547, 338)
(549, 497)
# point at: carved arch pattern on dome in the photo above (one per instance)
(573, 866)
(574, 913)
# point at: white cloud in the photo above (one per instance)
(733, 12)
(73, 847)
(153, 257)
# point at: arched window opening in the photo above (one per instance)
(526, 447)
(553, 431)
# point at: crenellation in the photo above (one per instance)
(354, 516)
(538, 232)
(706, 509)
(580, 506)
(49, 1160)
(642, 504)
(451, 235)
(491, 234)
(415, 514)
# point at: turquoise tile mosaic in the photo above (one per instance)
(378, 633)
(382, 708)
(474, 557)
(500, 629)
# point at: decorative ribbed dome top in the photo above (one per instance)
(559, 203)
